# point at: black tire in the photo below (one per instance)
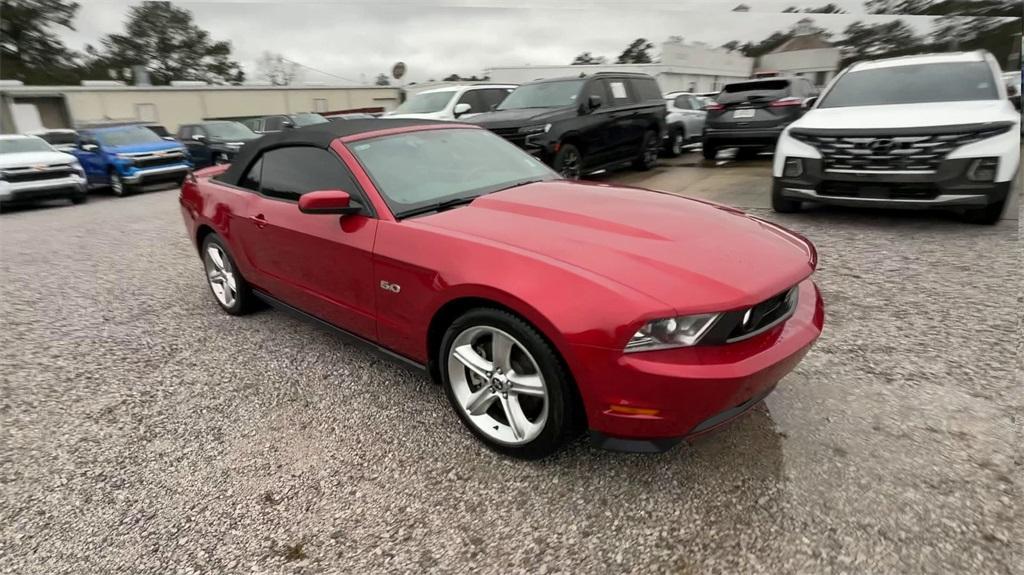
(782, 204)
(650, 148)
(675, 143)
(988, 216)
(564, 408)
(117, 185)
(747, 153)
(710, 151)
(244, 301)
(569, 162)
(79, 198)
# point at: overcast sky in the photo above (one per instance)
(357, 39)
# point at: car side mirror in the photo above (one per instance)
(89, 147)
(198, 137)
(328, 202)
(461, 108)
(593, 102)
(1012, 90)
(808, 102)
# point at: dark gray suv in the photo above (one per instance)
(750, 115)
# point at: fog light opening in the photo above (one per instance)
(983, 170)
(793, 168)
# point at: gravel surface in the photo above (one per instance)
(144, 431)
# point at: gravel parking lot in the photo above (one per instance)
(145, 431)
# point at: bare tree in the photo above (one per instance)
(276, 70)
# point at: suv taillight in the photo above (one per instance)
(786, 102)
(714, 107)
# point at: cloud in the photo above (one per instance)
(359, 39)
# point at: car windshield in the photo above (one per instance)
(59, 138)
(543, 95)
(229, 131)
(128, 136)
(416, 170)
(426, 103)
(753, 91)
(308, 119)
(913, 84)
(19, 145)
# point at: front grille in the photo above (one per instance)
(762, 316)
(158, 161)
(35, 175)
(901, 151)
(512, 135)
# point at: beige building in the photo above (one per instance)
(806, 54)
(28, 108)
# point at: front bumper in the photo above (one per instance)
(948, 187)
(39, 190)
(156, 175)
(686, 392)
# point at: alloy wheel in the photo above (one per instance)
(498, 385)
(677, 143)
(220, 275)
(571, 165)
(116, 184)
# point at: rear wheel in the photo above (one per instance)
(78, 198)
(506, 384)
(227, 284)
(781, 204)
(676, 141)
(569, 162)
(710, 151)
(988, 215)
(649, 150)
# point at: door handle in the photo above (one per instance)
(260, 220)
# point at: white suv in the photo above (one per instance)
(913, 132)
(453, 102)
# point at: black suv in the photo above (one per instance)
(584, 124)
(751, 115)
(212, 143)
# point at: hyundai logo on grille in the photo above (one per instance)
(881, 145)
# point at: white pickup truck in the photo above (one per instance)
(31, 170)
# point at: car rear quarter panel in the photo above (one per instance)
(206, 202)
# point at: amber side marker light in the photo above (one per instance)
(629, 410)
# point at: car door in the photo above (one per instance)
(321, 264)
(594, 127)
(693, 118)
(626, 131)
(474, 99)
(92, 160)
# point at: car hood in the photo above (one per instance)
(162, 146)
(908, 115)
(517, 117)
(25, 159)
(690, 255)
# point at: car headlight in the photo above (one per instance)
(682, 331)
(77, 166)
(538, 129)
(126, 158)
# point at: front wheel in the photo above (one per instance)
(569, 162)
(648, 152)
(227, 284)
(676, 141)
(782, 204)
(506, 384)
(118, 186)
(79, 198)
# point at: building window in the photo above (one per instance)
(146, 112)
(319, 104)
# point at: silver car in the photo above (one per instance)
(685, 121)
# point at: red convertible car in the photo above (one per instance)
(542, 306)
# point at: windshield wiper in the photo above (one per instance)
(437, 207)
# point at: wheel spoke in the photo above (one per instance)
(480, 401)
(468, 357)
(516, 418)
(501, 351)
(532, 385)
(215, 257)
(216, 276)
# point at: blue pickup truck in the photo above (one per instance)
(130, 158)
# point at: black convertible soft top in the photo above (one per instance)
(318, 135)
